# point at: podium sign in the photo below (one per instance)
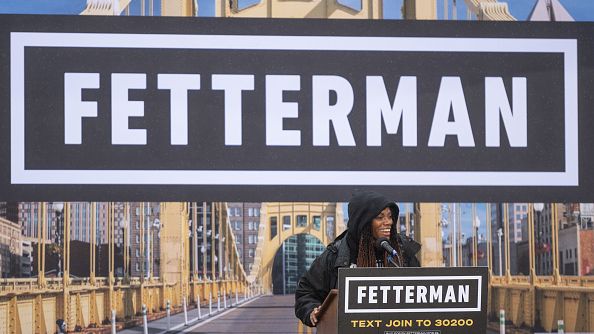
(412, 300)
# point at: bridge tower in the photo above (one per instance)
(175, 248)
(280, 221)
(428, 232)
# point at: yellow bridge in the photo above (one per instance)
(188, 272)
(33, 305)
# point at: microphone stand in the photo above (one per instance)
(391, 259)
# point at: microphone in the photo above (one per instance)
(385, 244)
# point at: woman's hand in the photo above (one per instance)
(313, 316)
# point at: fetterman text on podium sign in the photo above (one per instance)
(412, 300)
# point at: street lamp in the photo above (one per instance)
(58, 208)
(499, 235)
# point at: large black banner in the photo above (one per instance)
(122, 108)
(412, 300)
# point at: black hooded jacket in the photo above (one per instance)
(322, 276)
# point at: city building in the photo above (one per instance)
(292, 260)
(568, 250)
(576, 240)
(144, 230)
(26, 258)
(29, 216)
(516, 212)
(81, 218)
(543, 239)
(496, 214)
(406, 216)
(245, 221)
(9, 211)
(10, 248)
(80, 221)
(468, 249)
(517, 216)
(208, 242)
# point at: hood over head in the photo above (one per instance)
(363, 207)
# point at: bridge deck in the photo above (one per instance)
(266, 314)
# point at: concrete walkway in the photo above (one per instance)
(177, 321)
(267, 314)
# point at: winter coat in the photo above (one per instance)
(322, 276)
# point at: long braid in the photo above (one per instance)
(366, 256)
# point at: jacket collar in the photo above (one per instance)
(344, 255)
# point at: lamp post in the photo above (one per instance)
(499, 235)
(58, 208)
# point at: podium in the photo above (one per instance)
(406, 300)
(328, 320)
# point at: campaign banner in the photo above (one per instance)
(412, 300)
(154, 108)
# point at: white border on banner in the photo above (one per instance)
(479, 279)
(20, 175)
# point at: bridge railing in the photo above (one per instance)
(17, 284)
(541, 303)
(587, 281)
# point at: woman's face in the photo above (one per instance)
(381, 225)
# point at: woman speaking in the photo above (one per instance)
(372, 219)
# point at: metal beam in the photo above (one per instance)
(420, 10)
(41, 229)
(507, 240)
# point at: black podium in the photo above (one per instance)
(407, 300)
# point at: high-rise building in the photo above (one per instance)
(292, 260)
(543, 229)
(81, 218)
(144, 229)
(568, 249)
(9, 211)
(208, 230)
(496, 214)
(245, 221)
(29, 219)
(516, 213)
(80, 221)
(10, 248)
